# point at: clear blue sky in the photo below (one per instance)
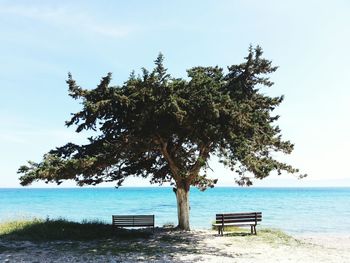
(41, 41)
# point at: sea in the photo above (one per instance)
(293, 210)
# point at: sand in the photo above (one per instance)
(194, 246)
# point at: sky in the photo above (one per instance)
(41, 41)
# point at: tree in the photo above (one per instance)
(166, 129)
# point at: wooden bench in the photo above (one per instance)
(133, 221)
(238, 219)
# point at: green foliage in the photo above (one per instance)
(61, 229)
(168, 225)
(167, 128)
(231, 228)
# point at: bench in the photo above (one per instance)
(238, 219)
(133, 221)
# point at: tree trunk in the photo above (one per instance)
(183, 207)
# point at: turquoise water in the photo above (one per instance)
(295, 210)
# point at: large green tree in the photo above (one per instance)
(167, 129)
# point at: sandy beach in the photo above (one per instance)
(194, 246)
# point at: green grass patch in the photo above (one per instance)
(169, 225)
(98, 238)
(277, 236)
(61, 229)
(266, 235)
(89, 238)
(233, 230)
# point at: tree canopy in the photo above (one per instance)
(166, 129)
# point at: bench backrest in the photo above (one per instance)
(239, 218)
(133, 220)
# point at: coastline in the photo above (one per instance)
(167, 245)
(324, 239)
(281, 207)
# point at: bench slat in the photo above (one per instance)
(238, 221)
(134, 225)
(239, 218)
(133, 217)
(133, 220)
(239, 215)
(234, 215)
(236, 224)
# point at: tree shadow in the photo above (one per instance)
(180, 244)
(89, 239)
(61, 229)
(238, 234)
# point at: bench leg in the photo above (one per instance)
(220, 230)
(253, 229)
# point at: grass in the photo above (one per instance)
(276, 236)
(86, 238)
(168, 225)
(268, 235)
(233, 230)
(98, 238)
(61, 229)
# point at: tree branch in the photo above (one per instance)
(203, 155)
(173, 167)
